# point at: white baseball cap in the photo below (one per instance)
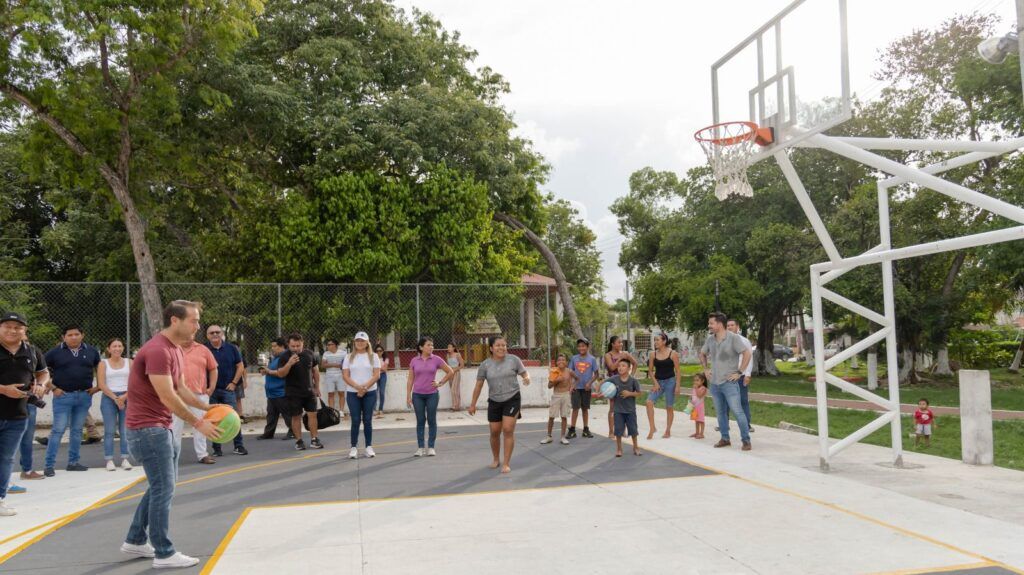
(362, 335)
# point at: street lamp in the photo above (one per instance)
(995, 50)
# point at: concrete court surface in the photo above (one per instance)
(681, 508)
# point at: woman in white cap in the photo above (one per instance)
(360, 370)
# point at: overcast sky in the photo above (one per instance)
(604, 88)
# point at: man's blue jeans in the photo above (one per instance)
(726, 397)
(361, 409)
(69, 411)
(113, 420)
(26, 440)
(11, 431)
(425, 405)
(221, 395)
(154, 448)
(745, 397)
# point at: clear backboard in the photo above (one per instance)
(791, 74)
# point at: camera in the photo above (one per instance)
(33, 400)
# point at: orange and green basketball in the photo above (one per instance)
(226, 420)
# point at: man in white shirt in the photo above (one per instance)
(734, 327)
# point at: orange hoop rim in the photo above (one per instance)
(760, 136)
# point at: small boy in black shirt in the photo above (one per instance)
(627, 389)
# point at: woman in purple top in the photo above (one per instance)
(421, 391)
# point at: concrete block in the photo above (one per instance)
(976, 417)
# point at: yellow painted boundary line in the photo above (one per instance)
(988, 560)
(61, 522)
(30, 530)
(211, 563)
(931, 570)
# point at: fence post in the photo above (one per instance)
(417, 312)
(547, 315)
(279, 310)
(127, 320)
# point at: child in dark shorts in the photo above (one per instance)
(627, 389)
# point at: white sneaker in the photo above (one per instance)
(564, 441)
(353, 453)
(6, 511)
(546, 440)
(419, 453)
(176, 561)
(110, 465)
(144, 550)
(431, 452)
(370, 453)
(126, 465)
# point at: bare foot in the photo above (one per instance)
(651, 434)
(494, 464)
(666, 435)
(701, 436)
(611, 435)
(506, 469)
(618, 453)
(637, 452)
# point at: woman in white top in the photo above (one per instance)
(457, 364)
(333, 381)
(112, 377)
(361, 369)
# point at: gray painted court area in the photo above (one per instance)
(206, 507)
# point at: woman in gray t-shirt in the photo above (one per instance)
(501, 372)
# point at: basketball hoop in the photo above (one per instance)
(729, 147)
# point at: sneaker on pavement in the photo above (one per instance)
(31, 475)
(564, 441)
(16, 489)
(419, 452)
(315, 443)
(177, 561)
(546, 440)
(218, 453)
(586, 432)
(353, 453)
(571, 434)
(300, 445)
(126, 465)
(110, 465)
(6, 511)
(431, 452)
(370, 452)
(76, 467)
(49, 472)
(144, 550)
(262, 437)
(42, 440)
(240, 450)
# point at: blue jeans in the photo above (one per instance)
(154, 448)
(113, 418)
(745, 398)
(69, 411)
(425, 405)
(361, 410)
(221, 395)
(726, 397)
(382, 384)
(666, 388)
(11, 431)
(26, 440)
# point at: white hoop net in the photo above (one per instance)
(729, 147)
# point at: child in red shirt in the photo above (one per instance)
(924, 419)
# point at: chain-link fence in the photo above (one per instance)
(395, 315)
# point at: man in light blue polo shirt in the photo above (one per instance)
(73, 368)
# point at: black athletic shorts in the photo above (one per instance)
(580, 399)
(298, 405)
(511, 407)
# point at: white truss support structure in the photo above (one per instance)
(822, 273)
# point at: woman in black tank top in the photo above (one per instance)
(664, 366)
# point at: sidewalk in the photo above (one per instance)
(997, 414)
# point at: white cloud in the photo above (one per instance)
(554, 148)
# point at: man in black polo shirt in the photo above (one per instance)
(301, 389)
(21, 373)
(73, 367)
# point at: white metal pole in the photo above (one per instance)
(891, 355)
(1020, 39)
(820, 385)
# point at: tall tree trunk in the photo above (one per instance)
(908, 371)
(118, 182)
(1015, 366)
(806, 342)
(556, 268)
(763, 357)
(941, 366)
